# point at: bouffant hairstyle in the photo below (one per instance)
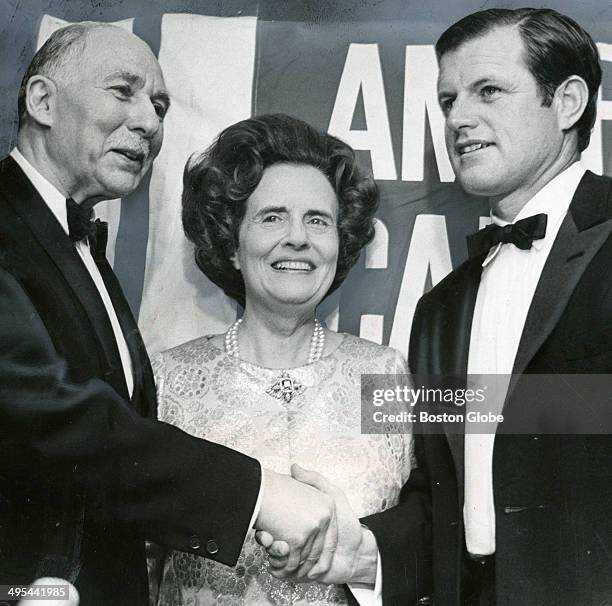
(556, 47)
(218, 182)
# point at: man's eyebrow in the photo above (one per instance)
(445, 94)
(137, 81)
(443, 88)
(484, 80)
(129, 77)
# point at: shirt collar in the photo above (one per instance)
(553, 200)
(52, 197)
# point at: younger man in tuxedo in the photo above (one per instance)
(522, 519)
(86, 474)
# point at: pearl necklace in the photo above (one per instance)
(285, 387)
(317, 341)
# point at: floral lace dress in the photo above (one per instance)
(212, 395)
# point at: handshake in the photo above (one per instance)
(311, 533)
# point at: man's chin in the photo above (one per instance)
(120, 188)
(479, 185)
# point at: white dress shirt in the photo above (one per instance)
(509, 279)
(366, 596)
(56, 202)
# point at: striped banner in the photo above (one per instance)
(369, 80)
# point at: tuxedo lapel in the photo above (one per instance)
(35, 214)
(143, 375)
(583, 231)
(464, 314)
(442, 337)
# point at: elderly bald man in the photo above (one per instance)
(86, 472)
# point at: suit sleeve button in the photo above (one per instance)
(212, 547)
(194, 542)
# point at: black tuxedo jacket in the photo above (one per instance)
(86, 475)
(553, 493)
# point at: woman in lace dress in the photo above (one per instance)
(278, 213)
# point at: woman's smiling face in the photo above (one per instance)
(288, 239)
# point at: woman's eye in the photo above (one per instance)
(318, 221)
(272, 219)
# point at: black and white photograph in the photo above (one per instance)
(305, 303)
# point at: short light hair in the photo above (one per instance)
(61, 47)
(556, 47)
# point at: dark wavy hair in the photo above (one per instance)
(218, 183)
(556, 47)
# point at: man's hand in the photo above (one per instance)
(300, 517)
(355, 558)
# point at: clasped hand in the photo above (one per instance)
(333, 551)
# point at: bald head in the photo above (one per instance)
(54, 55)
(92, 106)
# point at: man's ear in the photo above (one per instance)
(39, 99)
(571, 98)
(235, 262)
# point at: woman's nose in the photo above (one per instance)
(296, 235)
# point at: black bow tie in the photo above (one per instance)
(81, 225)
(521, 234)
